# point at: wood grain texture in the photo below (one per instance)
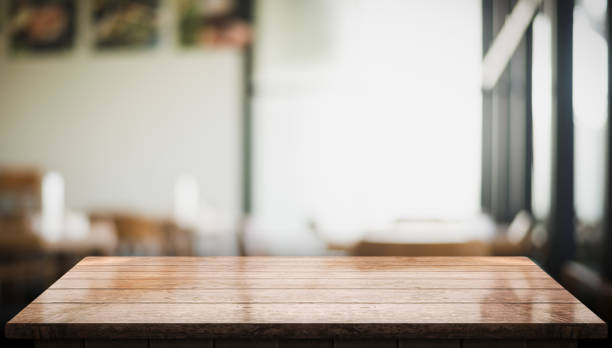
(365, 344)
(248, 296)
(60, 344)
(251, 343)
(306, 283)
(313, 268)
(181, 343)
(309, 343)
(494, 343)
(272, 298)
(519, 343)
(246, 274)
(117, 343)
(551, 344)
(429, 344)
(312, 313)
(289, 260)
(305, 343)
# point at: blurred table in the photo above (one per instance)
(306, 301)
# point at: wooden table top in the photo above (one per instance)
(413, 297)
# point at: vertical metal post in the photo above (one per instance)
(248, 14)
(247, 119)
(500, 128)
(528, 169)
(607, 238)
(487, 113)
(507, 126)
(519, 129)
(561, 241)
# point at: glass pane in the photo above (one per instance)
(542, 113)
(590, 53)
(380, 121)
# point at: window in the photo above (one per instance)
(542, 115)
(366, 112)
(590, 90)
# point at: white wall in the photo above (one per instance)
(122, 126)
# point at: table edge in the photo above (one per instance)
(308, 330)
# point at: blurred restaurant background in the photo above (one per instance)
(305, 127)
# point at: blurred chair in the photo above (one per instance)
(25, 270)
(178, 241)
(138, 235)
(19, 198)
(19, 193)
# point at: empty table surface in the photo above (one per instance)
(306, 297)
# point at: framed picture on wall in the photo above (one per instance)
(214, 23)
(40, 25)
(125, 23)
